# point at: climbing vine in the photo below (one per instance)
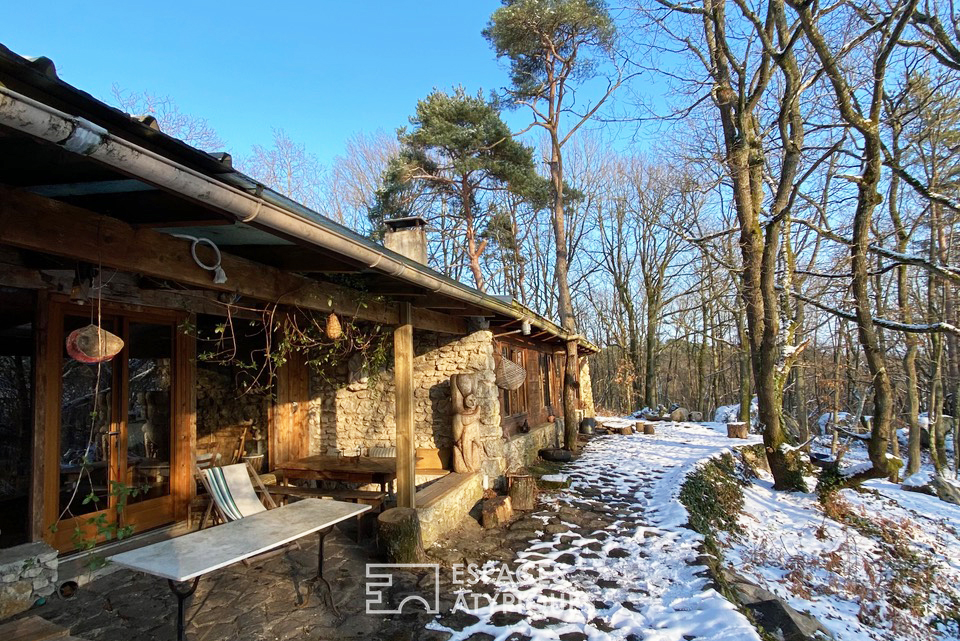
(323, 339)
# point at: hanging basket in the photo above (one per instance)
(510, 376)
(334, 328)
(92, 344)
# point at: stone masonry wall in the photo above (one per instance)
(350, 410)
(28, 572)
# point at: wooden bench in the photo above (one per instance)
(33, 628)
(372, 498)
(439, 488)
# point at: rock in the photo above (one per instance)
(497, 511)
(680, 415)
(946, 490)
(783, 622)
(696, 417)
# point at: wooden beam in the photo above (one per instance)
(41, 396)
(183, 484)
(403, 384)
(44, 225)
(122, 288)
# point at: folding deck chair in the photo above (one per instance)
(232, 493)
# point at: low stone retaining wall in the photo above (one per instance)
(442, 514)
(27, 572)
(521, 450)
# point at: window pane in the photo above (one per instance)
(86, 411)
(148, 422)
(16, 396)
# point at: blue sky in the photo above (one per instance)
(320, 70)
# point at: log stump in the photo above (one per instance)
(738, 430)
(626, 430)
(523, 492)
(398, 531)
(649, 428)
(497, 511)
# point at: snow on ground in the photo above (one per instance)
(631, 579)
(887, 569)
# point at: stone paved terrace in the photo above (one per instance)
(615, 544)
(253, 603)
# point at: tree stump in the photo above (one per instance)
(627, 430)
(523, 492)
(398, 530)
(497, 511)
(738, 430)
(649, 428)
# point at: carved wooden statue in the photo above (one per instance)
(466, 422)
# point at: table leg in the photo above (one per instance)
(182, 595)
(320, 578)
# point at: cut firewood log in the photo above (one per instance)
(497, 511)
(627, 430)
(738, 430)
(523, 492)
(398, 531)
(649, 428)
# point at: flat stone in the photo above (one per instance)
(458, 620)
(618, 553)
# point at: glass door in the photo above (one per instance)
(115, 439)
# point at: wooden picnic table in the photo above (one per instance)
(186, 558)
(349, 469)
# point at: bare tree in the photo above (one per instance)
(288, 168)
(194, 131)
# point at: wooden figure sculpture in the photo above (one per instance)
(466, 422)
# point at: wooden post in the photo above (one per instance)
(41, 379)
(183, 484)
(403, 384)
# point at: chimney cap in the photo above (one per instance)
(397, 224)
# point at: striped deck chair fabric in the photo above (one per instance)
(232, 491)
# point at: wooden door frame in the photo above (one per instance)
(51, 312)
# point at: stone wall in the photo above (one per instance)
(586, 389)
(522, 449)
(444, 514)
(349, 409)
(27, 573)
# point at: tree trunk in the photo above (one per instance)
(650, 384)
(867, 199)
(398, 531)
(564, 299)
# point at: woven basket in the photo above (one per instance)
(510, 376)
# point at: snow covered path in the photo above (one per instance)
(618, 562)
